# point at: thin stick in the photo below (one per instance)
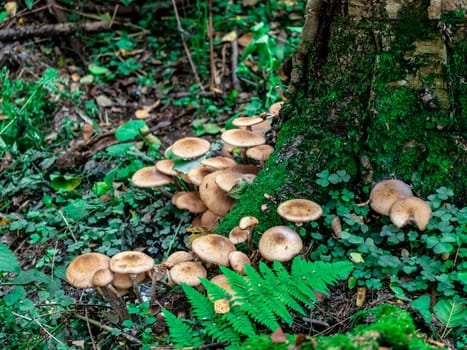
(187, 52)
(89, 330)
(40, 325)
(210, 30)
(108, 328)
(234, 63)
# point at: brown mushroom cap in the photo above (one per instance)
(260, 153)
(238, 235)
(188, 272)
(280, 243)
(238, 260)
(166, 167)
(197, 174)
(242, 138)
(247, 222)
(102, 277)
(213, 197)
(219, 163)
(262, 128)
(247, 121)
(221, 281)
(190, 201)
(275, 108)
(190, 147)
(82, 269)
(410, 209)
(150, 177)
(299, 210)
(123, 280)
(209, 220)
(385, 193)
(228, 179)
(213, 248)
(131, 262)
(178, 257)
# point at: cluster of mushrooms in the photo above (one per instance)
(210, 184)
(395, 199)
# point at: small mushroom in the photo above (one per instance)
(213, 248)
(299, 211)
(248, 223)
(410, 209)
(213, 197)
(260, 153)
(190, 147)
(178, 257)
(209, 220)
(238, 260)
(81, 270)
(280, 243)
(190, 201)
(218, 163)
(385, 193)
(102, 280)
(237, 235)
(150, 177)
(242, 139)
(197, 174)
(247, 122)
(132, 263)
(188, 272)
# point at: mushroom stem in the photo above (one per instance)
(243, 155)
(135, 287)
(115, 302)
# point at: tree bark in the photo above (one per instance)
(378, 90)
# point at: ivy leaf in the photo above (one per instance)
(8, 260)
(130, 130)
(451, 313)
(64, 182)
(422, 305)
(98, 70)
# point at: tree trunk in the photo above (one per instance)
(378, 89)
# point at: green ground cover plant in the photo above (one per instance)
(58, 215)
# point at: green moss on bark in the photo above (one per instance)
(375, 108)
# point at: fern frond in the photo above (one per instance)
(265, 290)
(203, 308)
(181, 334)
(318, 275)
(240, 321)
(220, 330)
(295, 286)
(214, 292)
(281, 288)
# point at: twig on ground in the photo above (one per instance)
(185, 47)
(234, 63)
(93, 342)
(108, 328)
(51, 29)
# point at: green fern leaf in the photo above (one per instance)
(214, 292)
(180, 333)
(286, 280)
(219, 330)
(203, 308)
(282, 292)
(267, 293)
(239, 321)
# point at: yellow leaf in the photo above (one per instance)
(231, 36)
(11, 7)
(222, 306)
(142, 113)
